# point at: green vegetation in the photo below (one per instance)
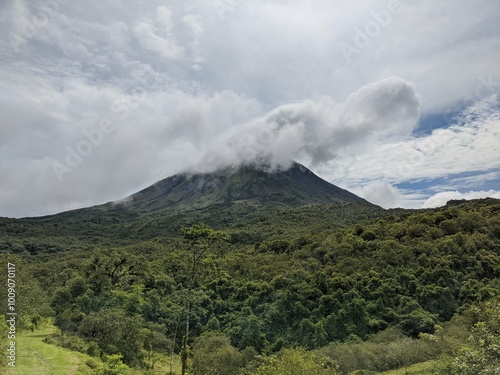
(424, 368)
(33, 353)
(482, 354)
(296, 362)
(285, 293)
(46, 351)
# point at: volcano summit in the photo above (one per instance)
(256, 185)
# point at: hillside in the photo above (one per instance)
(393, 278)
(256, 185)
(246, 200)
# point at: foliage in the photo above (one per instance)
(386, 350)
(296, 362)
(4, 343)
(482, 356)
(267, 280)
(113, 366)
(31, 301)
(115, 333)
(214, 355)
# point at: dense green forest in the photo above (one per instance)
(295, 291)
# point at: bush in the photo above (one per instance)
(74, 343)
(386, 350)
(92, 363)
(114, 366)
(213, 354)
(68, 341)
(279, 246)
(418, 321)
(297, 362)
(93, 349)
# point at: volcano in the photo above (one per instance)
(256, 185)
(254, 202)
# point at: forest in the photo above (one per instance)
(394, 288)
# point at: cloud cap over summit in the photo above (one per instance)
(100, 99)
(317, 130)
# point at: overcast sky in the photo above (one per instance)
(397, 101)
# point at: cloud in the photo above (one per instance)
(318, 130)
(382, 193)
(269, 81)
(441, 198)
(462, 156)
(468, 145)
(20, 14)
(291, 50)
(157, 35)
(177, 131)
(386, 195)
(155, 134)
(474, 181)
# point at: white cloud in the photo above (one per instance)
(318, 130)
(280, 40)
(381, 193)
(385, 195)
(269, 80)
(164, 17)
(148, 37)
(155, 134)
(20, 14)
(471, 144)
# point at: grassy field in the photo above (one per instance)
(35, 357)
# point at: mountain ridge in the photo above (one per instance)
(293, 187)
(245, 199)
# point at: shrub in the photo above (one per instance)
(297, 362)
(213, 354)
(114, 365)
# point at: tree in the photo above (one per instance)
(247, 330)
(115, 333)
(105, 270)
(31, 301)
(418, 321)
(154, 341)
(199, 240)
(482, 358)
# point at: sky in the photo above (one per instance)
(397, 101)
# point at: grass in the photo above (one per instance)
(34, 357)
(424, 368)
